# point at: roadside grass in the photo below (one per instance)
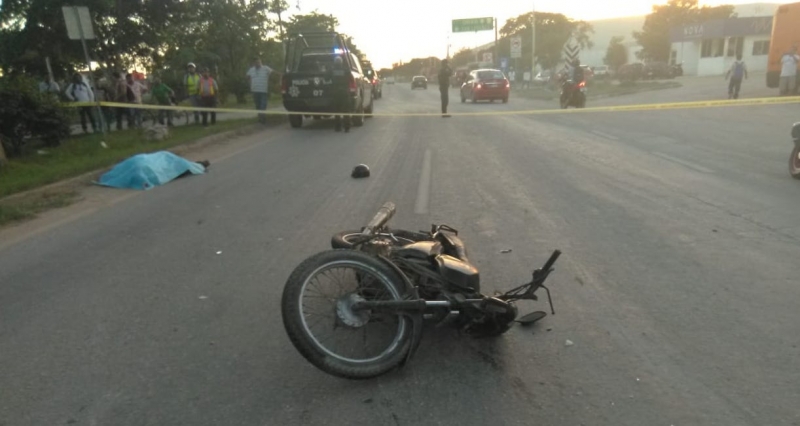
(82, 154)
(29, 206)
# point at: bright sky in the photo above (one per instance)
(401, 30)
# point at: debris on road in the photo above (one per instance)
(505, 251)
(568, 343)
(360, 171)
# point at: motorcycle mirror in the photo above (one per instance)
(532, 317)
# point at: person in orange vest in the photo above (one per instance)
(207, 90)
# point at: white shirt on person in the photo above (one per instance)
(259, 78)
(789, 64)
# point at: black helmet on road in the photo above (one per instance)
(360, 171)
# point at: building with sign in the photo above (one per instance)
(709, 48)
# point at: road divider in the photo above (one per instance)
(620, 108)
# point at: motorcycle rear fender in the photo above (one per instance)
(796, 132)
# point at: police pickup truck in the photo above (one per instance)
(323, 78)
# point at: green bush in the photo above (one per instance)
(25, 113)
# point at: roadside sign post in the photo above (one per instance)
(79, 27)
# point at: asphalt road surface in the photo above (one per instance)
(678, 285)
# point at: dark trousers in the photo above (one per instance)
(162, 113)
(126, 112)
(260, 100)
(734, 86)
(84, 113)
(209, 102)
(445, 92)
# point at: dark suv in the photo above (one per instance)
(419, 81)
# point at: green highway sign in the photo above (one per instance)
(472, 24)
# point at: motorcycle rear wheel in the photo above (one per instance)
(339, 360)
(794, 162)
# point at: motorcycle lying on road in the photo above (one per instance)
(794, 161)
(573, 94)
(392, 281)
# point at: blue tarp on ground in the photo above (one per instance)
(145, 171)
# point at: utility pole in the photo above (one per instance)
(496, 59)
(533, 40)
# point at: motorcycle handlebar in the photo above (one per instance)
(551, 261)
(381, 217)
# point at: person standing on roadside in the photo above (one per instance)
(737, 72)
(79, 91)
(789, 61)
(134, 90)
(190, 83)
(120, 95)
(207, 90)
(258, 75)
(444, 86)
(163, 95)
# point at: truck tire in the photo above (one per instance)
(295, 120)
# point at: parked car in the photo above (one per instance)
(484, 84)
(543, 78)
(657, 70)
(602, 71)
(419, 81)
(630, 72)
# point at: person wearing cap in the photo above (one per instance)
(191, 82)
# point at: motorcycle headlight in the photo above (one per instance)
(796, 131)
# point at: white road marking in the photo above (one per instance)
(424, 189)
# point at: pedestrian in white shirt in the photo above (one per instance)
(789, 61)
(258, 75)
(79, 91)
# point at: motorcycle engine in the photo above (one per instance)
(493, 317)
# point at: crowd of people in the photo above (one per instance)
(198, 86)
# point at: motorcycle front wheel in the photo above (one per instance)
(326, 328)
(794, 162)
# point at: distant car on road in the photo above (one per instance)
(543, 77)
(375, 79)
(389, 79)
(419, 81)
(484, 84)
(602, 71)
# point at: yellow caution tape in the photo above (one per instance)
(621, 108)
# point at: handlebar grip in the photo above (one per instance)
(551, 261)
(381, 217)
